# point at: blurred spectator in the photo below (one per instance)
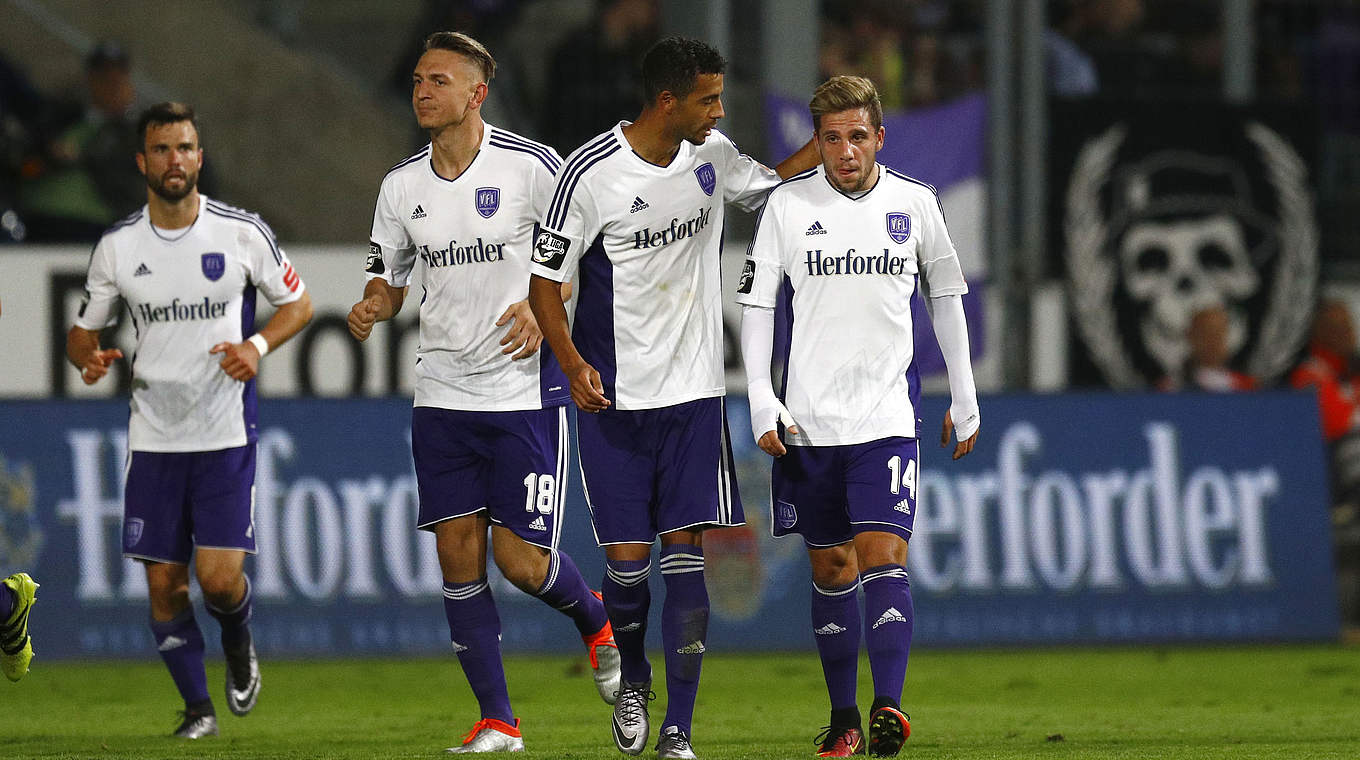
(918, 52)
(1330, 369)
(84, 178)
(1070, 70)
(1207, 368)
(595, 77)
(20, 109)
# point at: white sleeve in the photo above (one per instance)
(544, 181)
(951, 330)
(269, 267)
(745, 181)
(570, 224)
(101, 305)
(757, 349)
(763, 272)
(938, 261)
(391, 253)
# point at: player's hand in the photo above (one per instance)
(97, 365)
(241, 361)
(587, 390)
(963, 447)
(524, 335)
(362, 317)
(769, 441)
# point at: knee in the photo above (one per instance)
(832, 569)
(525, 571)
(221, 587)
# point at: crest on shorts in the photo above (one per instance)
(785, 514)
(132, 531)
(899, 226)
(708, 178)
(214, 265)
(488, 200)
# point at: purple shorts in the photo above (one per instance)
(827, 494)
(650, 471)
(175, 501)
(511, 464)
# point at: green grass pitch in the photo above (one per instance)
(1155, 702)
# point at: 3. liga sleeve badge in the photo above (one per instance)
(550, 249)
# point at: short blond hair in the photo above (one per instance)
(846, 93)
(462, 44)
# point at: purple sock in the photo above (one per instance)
(684, 626)
(836, 627)
(566, 591)
(235, 622)
(475, 629)
(627, 598)
(887, 602)
(180, 643)
(7, 600)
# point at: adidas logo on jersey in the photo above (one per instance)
(890, 615)
(633, 626)
(459, 647)
(828, 629)
(141, 270)
(816, 229)
(419, 213)
(903, 506)
(538, 524)
(638, 205)
(694, 647)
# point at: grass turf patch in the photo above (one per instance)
(1239, 702)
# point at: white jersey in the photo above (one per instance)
(647, 239)
(472, 237)
(188, 290)
(845, 269)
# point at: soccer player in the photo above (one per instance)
(17, 594)
(639, 212)
(840, 250)
(188, 268)
(489, 430)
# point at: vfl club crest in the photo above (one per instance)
(488, 200)
(708, 178)
(899, 226)
(1153, 235)
(132, 531)
(214, 265)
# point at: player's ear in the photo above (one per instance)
(141, 162)
(478, 95)
(881, 133)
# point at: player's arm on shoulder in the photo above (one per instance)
(800, 161)
(84, 353)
